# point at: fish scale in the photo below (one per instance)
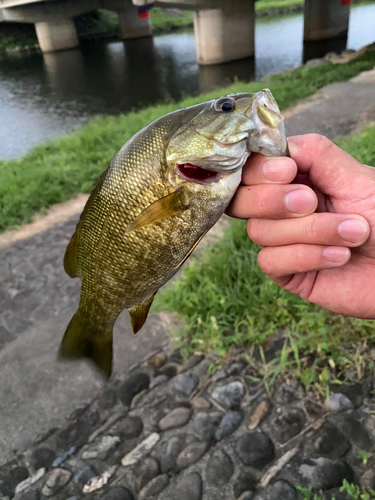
(145, 216)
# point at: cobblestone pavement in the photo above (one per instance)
(37, 301)
(169, 431)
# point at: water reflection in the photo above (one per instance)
(42, 96)
(278, 45)
(317, 49)
(219, 75)
(138, 57)
(65, 70)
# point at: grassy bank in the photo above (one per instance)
(225, 298)
(166, 21)
(272, 7)
(57, 170)
(269, 6)
(104, 23)
(12, 41)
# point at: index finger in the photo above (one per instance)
(327, 166)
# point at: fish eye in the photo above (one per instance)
(225, 105)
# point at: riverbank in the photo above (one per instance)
(58, 170)
(36, 392)
(254, 310)
(273, 8)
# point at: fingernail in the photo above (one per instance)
(352, 230)
(293, 147)
(277, 170)
(300, 201)
(336, 255)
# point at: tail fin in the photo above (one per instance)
(81, 340)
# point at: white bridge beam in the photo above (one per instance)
(57, 35)
(223, 35)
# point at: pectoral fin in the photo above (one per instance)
(172, 204)
(138, 314)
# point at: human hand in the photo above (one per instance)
(318, 233)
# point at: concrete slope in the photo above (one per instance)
(37, 302)
(336, 110)
(38, 392)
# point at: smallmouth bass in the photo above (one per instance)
(158, 197)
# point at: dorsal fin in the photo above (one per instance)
(71, 252)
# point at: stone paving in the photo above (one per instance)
(169, 431)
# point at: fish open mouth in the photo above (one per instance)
(197, 174)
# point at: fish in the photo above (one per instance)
(158, 197)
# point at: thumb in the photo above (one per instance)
(328, 167)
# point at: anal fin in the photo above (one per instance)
(139, 313)
(172, 204)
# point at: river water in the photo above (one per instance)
(42, 96)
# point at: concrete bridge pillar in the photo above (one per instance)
(226, 33)
(56, 35)
(131, 25)
(326, 19)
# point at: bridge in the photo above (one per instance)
(224, 30)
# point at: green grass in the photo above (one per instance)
(164, 20)
(353, 491)
(98, 23)
(224, 298)
(270, 5)
(10, 42)
(361, 146)
(57, 170)
(103, 22)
